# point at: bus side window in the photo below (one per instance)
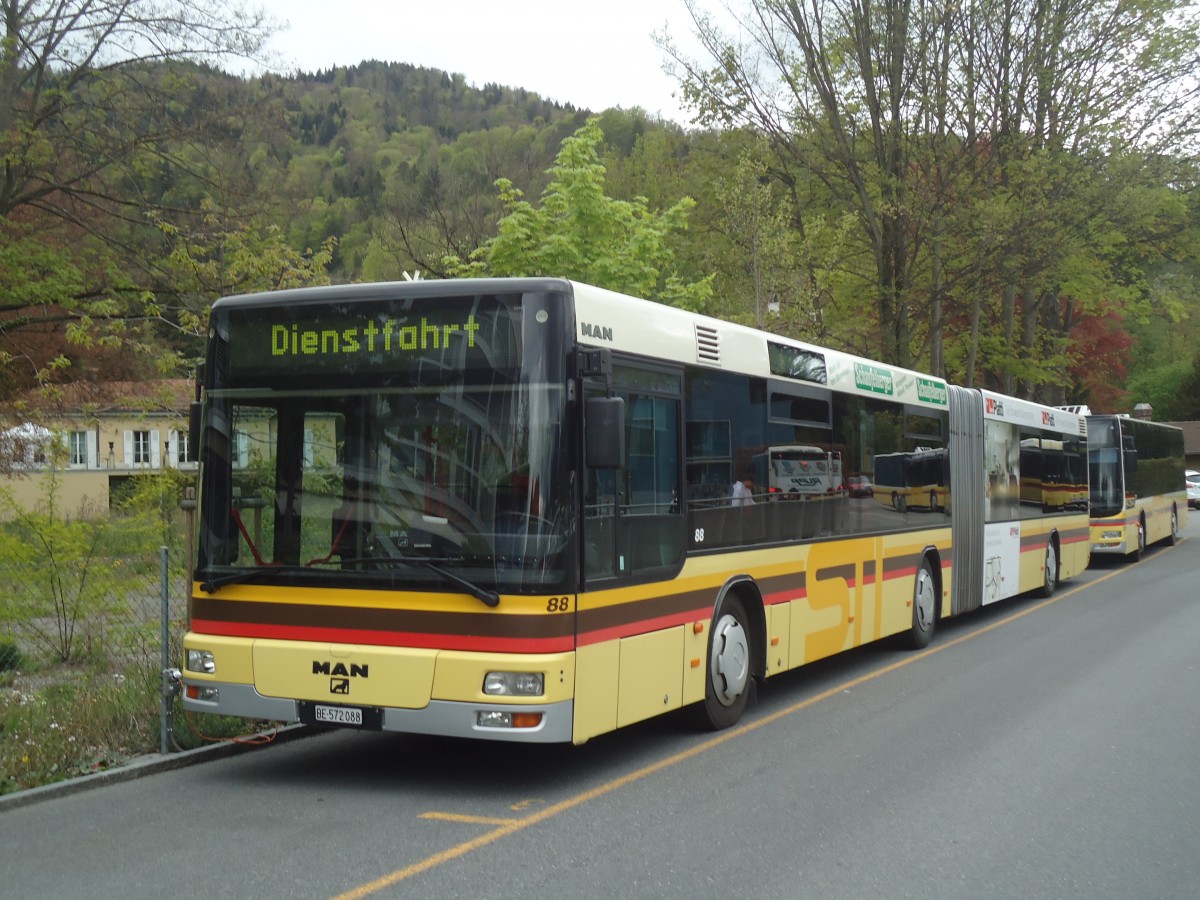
(633, 514)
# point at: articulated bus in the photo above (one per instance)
(525, 509)
(1138, 488)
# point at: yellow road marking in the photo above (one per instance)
(471, 820)
(508, 827)
(525, 804)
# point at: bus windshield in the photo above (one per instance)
(1105, 466)
(443, 470)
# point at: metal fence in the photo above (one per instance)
(67, 604)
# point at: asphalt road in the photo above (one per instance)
(1036, 749)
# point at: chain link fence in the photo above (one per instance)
(92, 614)
(86, 617)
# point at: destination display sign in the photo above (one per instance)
(435, 337)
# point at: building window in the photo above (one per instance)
(242, 448)
(181, 447)
(141, 448)
(78, 445)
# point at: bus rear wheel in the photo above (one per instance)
(924, 614)
(727, 682)
(1173, 537)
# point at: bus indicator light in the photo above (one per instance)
(497, 718)
(203, 693)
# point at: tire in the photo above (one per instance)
(727, 681)
(924, 614)
(1173, 537)
(1050, 575)
(1136, 555)
(933, 504)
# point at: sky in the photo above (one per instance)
(590, 54)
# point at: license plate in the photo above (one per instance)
(338, 715)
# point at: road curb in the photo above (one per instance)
(149, 764)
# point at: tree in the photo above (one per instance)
(841, 73)
(81, 99)
(91, 120)
(1187, 399)
(980, 147)
(221, 258)
(579, 232)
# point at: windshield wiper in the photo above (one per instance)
(488, 598)
(244, 575)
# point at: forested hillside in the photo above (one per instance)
(1009, 247)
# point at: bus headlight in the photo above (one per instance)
(514, 684)
(201, 661)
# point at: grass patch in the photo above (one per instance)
(65, 721)
(80, 653)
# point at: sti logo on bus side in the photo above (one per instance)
(994, 407)
(597, 332)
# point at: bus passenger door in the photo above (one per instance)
(633, 532)
(633, 521)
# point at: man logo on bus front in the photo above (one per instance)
(339, 685)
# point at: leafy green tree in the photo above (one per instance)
(222, 257)
(1186, 405)
(93, 125)
(66, 573)
(980, 148)
(579, 232)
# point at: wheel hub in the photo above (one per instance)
(924, 600)
(730, 660)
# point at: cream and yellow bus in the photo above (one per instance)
(524, 510)
(913, 480)
(1138, 486)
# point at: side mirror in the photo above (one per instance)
(604, 432)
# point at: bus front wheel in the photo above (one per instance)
(1050, 577)
(727, 682)
(1141, 541)
(924, 614)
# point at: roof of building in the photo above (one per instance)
(169, 395)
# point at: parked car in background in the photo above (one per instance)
(1193, 488)
(860, 486)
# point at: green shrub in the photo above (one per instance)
(10, 655)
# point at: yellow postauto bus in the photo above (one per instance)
(525, 509)
(1138, 487)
